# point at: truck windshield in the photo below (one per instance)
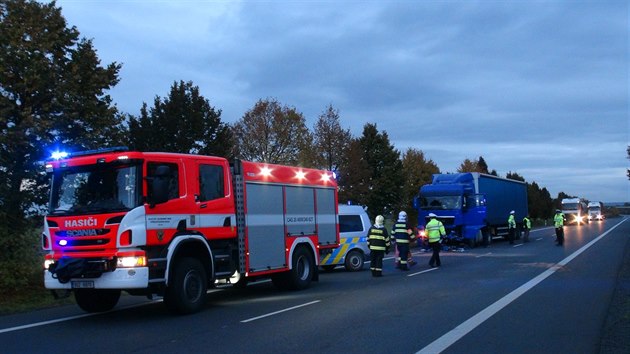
(593, 208)
(569, 206)
(441, 202)
(95, 189)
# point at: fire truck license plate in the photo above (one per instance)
(83, 284)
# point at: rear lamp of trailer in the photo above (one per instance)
(131, 262)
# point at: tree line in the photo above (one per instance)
(54, 95)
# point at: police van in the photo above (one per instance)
(353, 250)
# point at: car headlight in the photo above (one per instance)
(48, 263)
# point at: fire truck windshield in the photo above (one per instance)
(95, 189)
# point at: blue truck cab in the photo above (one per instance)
(473, 207)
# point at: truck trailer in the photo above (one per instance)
(473, 207)
(172, 225)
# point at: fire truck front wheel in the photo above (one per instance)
(186, 292)
(96, 300)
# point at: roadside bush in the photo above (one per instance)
(20, 260)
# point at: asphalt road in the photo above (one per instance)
(523, 298)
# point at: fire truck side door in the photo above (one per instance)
(215, 206)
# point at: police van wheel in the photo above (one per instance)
(354, 261)
(93, 300)
(186, 292)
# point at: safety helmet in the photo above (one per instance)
(431, 215)
(512, 212)
(402, 216)
(379, 220)
(558, 210)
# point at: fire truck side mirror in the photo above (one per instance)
(159, 186)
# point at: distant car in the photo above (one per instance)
(353, 250)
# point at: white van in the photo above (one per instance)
(353, 250)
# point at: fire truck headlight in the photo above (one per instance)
(132, 261)
(48, 263)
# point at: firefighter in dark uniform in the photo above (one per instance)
(378, 241)
(403, 234)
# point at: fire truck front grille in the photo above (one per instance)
(88, 242)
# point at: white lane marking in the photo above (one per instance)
(424, 271)
(467, 326)
(70, 318)
(518, 245)
(64, 319)
(483, 255)
(281, 311)
(538, 239)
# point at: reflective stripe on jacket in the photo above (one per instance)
(378, 239)
(402, 232)
(435, 230)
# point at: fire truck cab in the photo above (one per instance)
(173, 224)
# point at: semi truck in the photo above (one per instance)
(596, 211)
(173, 225)
(575, 211)
(474, 207)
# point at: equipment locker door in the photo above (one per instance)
(265, 226)
(326, 217)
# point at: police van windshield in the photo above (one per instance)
(96, 189)
(569, 206)
(441, 202)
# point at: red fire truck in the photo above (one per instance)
(173, 225)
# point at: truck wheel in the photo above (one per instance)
(93, 300)
(354, 261)
(186, 292)
(300, 276)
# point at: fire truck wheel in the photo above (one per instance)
(303, 269)
(93, 300)
(354, 261)
(186, 292)
(300, 276)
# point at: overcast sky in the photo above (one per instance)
(535, 87)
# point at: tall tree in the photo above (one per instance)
(515, 176)
(52, 92)
(331, 141)
(183, 122)
(271, 133)
(482, 166)
(468, 165)
(383, 177)
(417, 171)
(354, 176)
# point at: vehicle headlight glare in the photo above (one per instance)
(130, 262)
